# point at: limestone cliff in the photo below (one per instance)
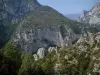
(93, 16)
(45, 27)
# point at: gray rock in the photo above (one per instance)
(35, 57)
(97, 37)
(51, 49)
(31, 39)
(91, 17)
(41, 53)
(83, 17)
(16, 9)
(11, 13)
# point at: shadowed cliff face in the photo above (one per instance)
(93, 16)
(31, 39)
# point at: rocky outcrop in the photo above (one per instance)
(35, 57)
(41, 53)
(91, 17)
(32, 39)
(91, 38)
(51, 49)
(83, 18)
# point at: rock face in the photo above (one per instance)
(32, 39)
(91, 17)
(83, 16)
(14, 10)
(11, 13)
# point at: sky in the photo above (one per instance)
(69, 6)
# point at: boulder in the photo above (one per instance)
(35, 57)
(41, 53)
(51, 49)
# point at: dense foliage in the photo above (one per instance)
(15, 62)
(79, 59)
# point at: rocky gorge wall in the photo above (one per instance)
(37, 26)
(33, 39)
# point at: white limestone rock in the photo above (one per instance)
(41, 53)
(93, 16)
(51, 49)
(35, 57)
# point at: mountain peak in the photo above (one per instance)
(97, 4)
(84, 12)
(15, 6)
(92, 16)
(96, 7)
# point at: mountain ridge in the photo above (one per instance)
(45, 27)
(11, 13)
(91, 17)
(41, 26)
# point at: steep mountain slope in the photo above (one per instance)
(92, 16)
(82, 58)
(42, 28)
(34, 26)
(45, 27)
(11, 13)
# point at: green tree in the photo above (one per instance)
(11, 52)
(27, 62)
